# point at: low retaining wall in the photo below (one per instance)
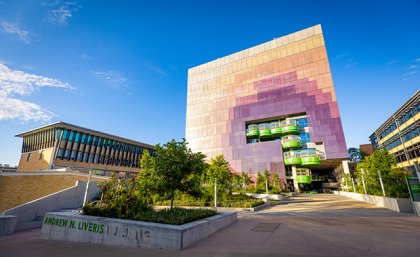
(263, 196)
(395, 204)
(7, 225)
(98, 230)
(30, 215)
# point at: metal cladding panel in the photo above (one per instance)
(286, 76)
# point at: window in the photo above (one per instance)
(84, 139)
(95, 141)
(65, 134)
(77, 139)
(67, 154)
(91, 156)
(85, 157)
(73, 155)
(305, 137)
(89, 140)
(80, 156)
(71, 136)
(60, 153)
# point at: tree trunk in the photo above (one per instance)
(172, 199)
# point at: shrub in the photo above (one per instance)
(176, 216)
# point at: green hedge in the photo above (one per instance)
(234, 201)
(176, 216)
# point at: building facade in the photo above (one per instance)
(272, 106)
(400, 134)
(62, 144)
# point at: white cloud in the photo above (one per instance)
(418, 60)
(112, 78)
(410, 73)
(156, 69)
(412, 67)
(14, 29)
(61, 12)
(14, 83)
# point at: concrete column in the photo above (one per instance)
(295, 183)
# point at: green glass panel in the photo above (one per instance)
(292, 129)
(253, 133)
(304, 179)
(265, 132)
(276, 131)
(293, 144)
(292, 161)
(310, 161)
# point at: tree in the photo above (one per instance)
(260, 183)
(355, 155)
(236, 182)
(246, 180)
(178, 169)
(219, 170)
(276, 181)
(147, 176)
(392, 177)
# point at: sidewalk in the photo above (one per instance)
(320, 225)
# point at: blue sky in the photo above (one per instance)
(121, 66)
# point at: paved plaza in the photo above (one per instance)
(306, 225)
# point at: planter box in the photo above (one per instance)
(7, 224)
(98, 230)
(395, 204)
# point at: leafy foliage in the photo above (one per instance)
(121, 197)
(355, 155)
(178, 169)
(226, 200)
(392, 177)
(176, 216)
(219, 170)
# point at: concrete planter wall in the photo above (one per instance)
(263, 196)
(97, 230)
(30, 215)
(395, 204)
(7, 224)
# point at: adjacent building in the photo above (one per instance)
(272, 106)
(400, 134)
(61, 145)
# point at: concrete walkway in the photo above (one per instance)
(306, 225)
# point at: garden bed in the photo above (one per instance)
(176, 216)
(75, 227)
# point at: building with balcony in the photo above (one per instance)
(400, 134)
(61, 145)
(272, 106)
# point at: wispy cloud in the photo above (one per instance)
(15, 30)
(14, 83)
(410, 73)
(112, 78)
(418, 60)
(412, 67)
(392, 62)
(85, 57)
(155, 69)
(341, 56)
(61, 12)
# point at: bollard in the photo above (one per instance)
(364, 186)
(382, 184)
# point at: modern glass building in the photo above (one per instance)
(272, 106)
(62, 144)
(400, 134)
